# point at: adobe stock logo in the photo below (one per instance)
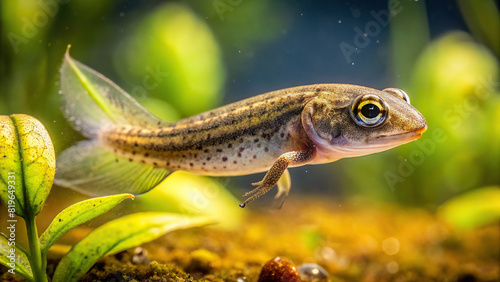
(150, 81)
(361, 39)
(453, 117)
(224, 6)
(30, 27)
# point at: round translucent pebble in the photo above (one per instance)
(313, 273)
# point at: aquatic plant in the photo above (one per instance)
(26, 174)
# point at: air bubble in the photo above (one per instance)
(327, 253)
(392, 267)
(390, 246)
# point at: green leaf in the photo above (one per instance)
(20, 262)
(27, 164)
(194, 195)
(77, 214)
(118, 235)
(17, 246)
(472, 209)
(11, 177)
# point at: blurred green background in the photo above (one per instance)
(179, 58)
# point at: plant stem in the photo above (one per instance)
(39, 272)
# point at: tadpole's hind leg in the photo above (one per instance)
(284, 185)
(275, 173)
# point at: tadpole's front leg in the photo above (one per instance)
(274, 174)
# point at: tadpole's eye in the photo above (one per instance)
(399, 93)
(369, 111)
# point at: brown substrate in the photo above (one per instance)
(353, 242)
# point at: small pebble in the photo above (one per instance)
(313, 273)
(279, 269)
(140, 256)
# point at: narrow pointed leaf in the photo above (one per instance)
(20, 262)
(119, 235)
(77, 214)
(17, 246)
(27, 164)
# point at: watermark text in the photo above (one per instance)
(361, 39)
(31, 26)
(224, 6)
(11, 221)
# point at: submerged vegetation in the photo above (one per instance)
(27, 172)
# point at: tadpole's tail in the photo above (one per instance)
(93, 103)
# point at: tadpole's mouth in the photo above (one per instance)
(399, 138)
(345, 149)
(422, 130)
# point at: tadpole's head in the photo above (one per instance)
(348, 121)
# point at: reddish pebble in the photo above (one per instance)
(279, 269)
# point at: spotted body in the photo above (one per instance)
(270, 132)
(241, 138)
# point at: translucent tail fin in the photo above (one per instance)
(92, 103)
(91, 169)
